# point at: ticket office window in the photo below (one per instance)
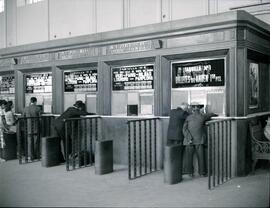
(133, 90)
(39, 85)
(7, 87)
(199, 81)
(81, 85)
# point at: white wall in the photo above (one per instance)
(54, 19)
(32, 23)
(71, 18)
(143, 12)
(191, 8)
(2, 30)
(110, 15)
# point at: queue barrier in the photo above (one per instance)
(142, 147)
(219, 134)
(30, 130)
(173, 164)
(80, 136)
(104, 157)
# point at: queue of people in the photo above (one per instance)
(187, 128)
(7, 122)
(8, 125)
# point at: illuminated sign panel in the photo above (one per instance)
(198, 74)
(81, 81)
(139, 77)
(7, 84)
(38, 83)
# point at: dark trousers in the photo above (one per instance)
(33, 146)
(63, 147)
(199, 151)
(172, 142)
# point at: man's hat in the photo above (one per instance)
(78, 103)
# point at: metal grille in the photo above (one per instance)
(80, 135)
(219, 152)
(142, 147)
(29, 133)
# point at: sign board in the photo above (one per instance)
(38, 83)
(7, 84)
(138, 77)
(206, 73)
(81, 81)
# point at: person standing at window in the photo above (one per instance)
(33, 147)
(195, 138)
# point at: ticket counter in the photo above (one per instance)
(133, 90)
(39, 85)
(81, 84)
(201, 81)
(7, 89)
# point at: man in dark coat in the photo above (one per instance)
(195, 138)
(175, 135)
(176, 122)
(77, 110)
(33, 147)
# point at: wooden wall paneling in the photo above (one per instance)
(165, 70)
(19, 89)
(57, 90)
(157, 87)
(104, 89)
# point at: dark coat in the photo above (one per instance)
(176, 122)
(71, 112)
(194, 128)
(32, 111)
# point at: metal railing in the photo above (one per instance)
(80, 136)
(219, 134)
(142, 147)
(29, 133)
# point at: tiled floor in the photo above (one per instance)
(32, 185)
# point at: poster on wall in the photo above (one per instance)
(208, 73)
(138, 77)
(38, 83)
(7, 84)
(81, 81)
(253, 85)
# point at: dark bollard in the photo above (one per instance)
(50, 151)
(173, 164)
(104, 157)
(9, 152)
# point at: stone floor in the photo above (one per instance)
(31, 185)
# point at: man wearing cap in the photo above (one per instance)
(195, 138)
(77, 110)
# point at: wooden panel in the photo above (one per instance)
(144, 12)
(71, 18)
(186, 9)
(109, 15)
(58, 95)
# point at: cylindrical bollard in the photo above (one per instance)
(50, 151)
(10, 148)
(104, 157)
(173, 164)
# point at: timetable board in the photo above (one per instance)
(81, 81)
(138, 77)
(7, 84)
(38, 83)
(208, 73)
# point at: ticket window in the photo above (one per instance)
(81, 85)
(133, 90)
(202, 82)
(7, 88)
(39, 85)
